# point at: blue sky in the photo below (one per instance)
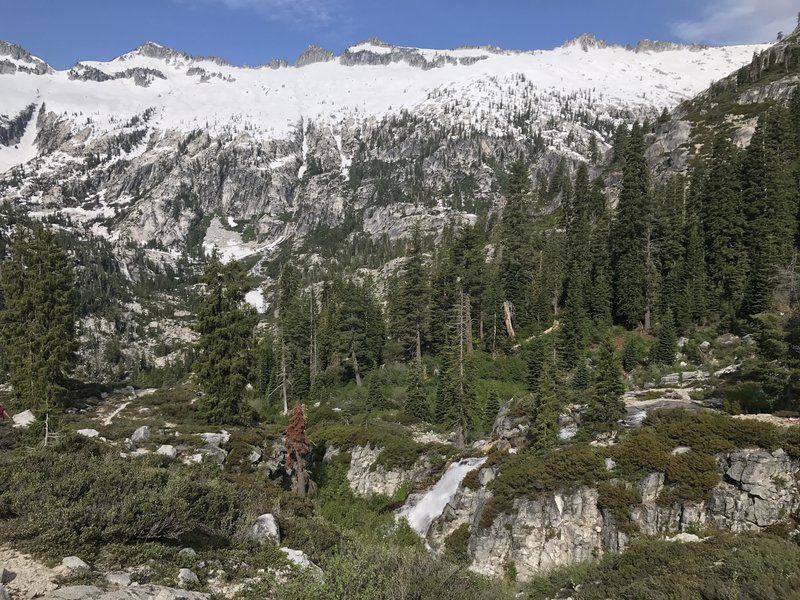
(63, 32)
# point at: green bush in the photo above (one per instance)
(747, 566)
(60, 502)
(456, 545)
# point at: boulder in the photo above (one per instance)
(265, 529)
(187, 577)
(215, 453)
(119, 578)
(299, 558)
(73, 563)
(168, 451)
(216, 439)
(187, 553)
(3, 593)
(141, 435)
(24, 419)
(88, 433)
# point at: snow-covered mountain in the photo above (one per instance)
(164, 148)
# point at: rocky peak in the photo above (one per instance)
(656, 46)
(157, 51)
(586, 41)
(18, 53)
(314, 54)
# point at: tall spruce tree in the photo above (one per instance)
(37, 321)
(416, 405)
(514, 269)
(606, 406)
(631, 236)
(409, 306)
(225, 348)
(545, 418)
(724, 229)
(769, 175)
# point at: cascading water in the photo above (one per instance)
(420, 514)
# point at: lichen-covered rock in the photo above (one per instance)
(366, 477)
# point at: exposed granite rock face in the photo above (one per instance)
(33, 65)
(561, 528)
(368, 478)
(513, 429)
(12, 130)
(314, 54)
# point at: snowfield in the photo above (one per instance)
(186, 93)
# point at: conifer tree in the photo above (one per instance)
(601, 296)
(491, 409)
(631, 236)
(225, 349)
(606, 406)
(545, 420)
(666, 344)
(514, 269)
(694, 278)
(416, 399)
(581, 379)
(538, 357)
(770, 199)
(724, 229)
(375, 397)
(409, 307)
(37, 321)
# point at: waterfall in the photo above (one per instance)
(420, 514)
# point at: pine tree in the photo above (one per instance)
(514, 269)
(416, 399)
(37, 321)
(666, 344)
(375, 396)
(601, 296)
(694, 283)
(409, 307)
(491, 409)
(630, 354)
(631, 236)
(538, 358)
(225, 349)
(545, 420)
(724, 229)
(581, 379)
(606, 406)
(770, 200)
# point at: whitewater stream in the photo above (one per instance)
(421, 511)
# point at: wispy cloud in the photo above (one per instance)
(739, 21)
(312, 12)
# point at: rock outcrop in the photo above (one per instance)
(367, 477)
(560, 528)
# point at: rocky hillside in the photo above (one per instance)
(731, 105)
(177, 152)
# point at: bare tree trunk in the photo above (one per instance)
(419, 347)
(300, 469)
(648, 283)
(494, 337)
(355, 366)
(468, 324)
(508, 312)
